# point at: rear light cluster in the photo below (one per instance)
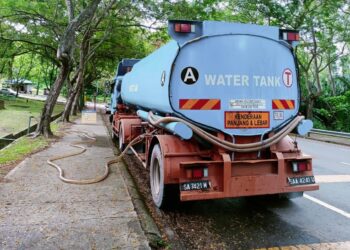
(291, 36)
(300, 166)
(185, 28)
(196, 173)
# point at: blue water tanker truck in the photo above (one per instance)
(210, 113)
(124, 66)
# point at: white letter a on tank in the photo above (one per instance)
(190, 75)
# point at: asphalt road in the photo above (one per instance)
(319, 220)
(323, 215)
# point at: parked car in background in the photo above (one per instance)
(7, 92)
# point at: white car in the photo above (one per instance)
(7, 92)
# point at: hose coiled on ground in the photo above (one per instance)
(51, 160)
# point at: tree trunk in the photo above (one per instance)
(45, 119)
(310, 107)
(37, 89)
(74, 95)
(75, 106)
(331, 79)
(316, 66)
(64, 53)
(70, 98)
(68, 107)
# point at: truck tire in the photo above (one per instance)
(157, 176)
(163, 195)
(121, 139)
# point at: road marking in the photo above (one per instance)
(332, 178)
(326, 205)
(345, 163)
(342, 245)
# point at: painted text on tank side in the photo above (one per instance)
(241, 80)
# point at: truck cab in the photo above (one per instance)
(124, 67)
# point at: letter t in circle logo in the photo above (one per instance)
(287, 77)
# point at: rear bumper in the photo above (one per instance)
(247, 178)
(242, 192)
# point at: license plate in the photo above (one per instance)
(303, 180)
(195, 185)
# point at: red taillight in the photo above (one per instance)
(196, 173)
(291, 36)
(184, 27)
(300, 166)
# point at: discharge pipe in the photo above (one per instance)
(177, 128)
(248, 147)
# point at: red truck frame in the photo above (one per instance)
(198, 172)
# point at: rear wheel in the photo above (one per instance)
(163, 195)
(121, 139)
(157, 176)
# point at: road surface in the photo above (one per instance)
(40, 97)
(319, 220)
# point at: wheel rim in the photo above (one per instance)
(156, 177)
(121, 139)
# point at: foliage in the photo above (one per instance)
(30, 32)
(332, 112)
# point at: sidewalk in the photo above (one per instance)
(38, 211)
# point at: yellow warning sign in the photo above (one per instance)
(247, 119)
(88, 117)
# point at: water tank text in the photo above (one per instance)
(242, 80)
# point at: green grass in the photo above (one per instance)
(20, 148)
(24, 146)
(15, 116)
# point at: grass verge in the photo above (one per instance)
(15, 116)
(23, 147)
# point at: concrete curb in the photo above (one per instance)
(147, 223)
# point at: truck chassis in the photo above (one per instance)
(201, 171)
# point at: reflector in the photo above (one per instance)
(295, 167)
(205, 172)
